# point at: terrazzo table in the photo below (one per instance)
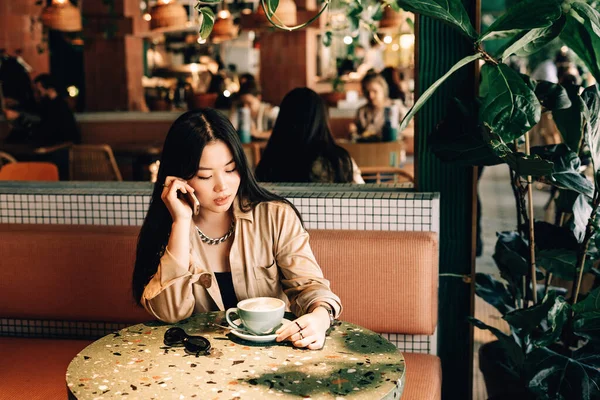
(134, 363)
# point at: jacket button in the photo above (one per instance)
(206, 280)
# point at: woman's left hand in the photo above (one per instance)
(307, 331)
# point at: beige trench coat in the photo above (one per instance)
(270, 256)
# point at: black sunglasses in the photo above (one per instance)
(195, 345)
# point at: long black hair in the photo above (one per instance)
(301, 136)
(181, 154)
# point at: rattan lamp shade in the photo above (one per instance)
(224, 29)
(166, 15)
(62, 16)
(285, 13)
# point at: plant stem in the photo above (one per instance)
(589, 232)
(531, 228)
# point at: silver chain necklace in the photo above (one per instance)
(209, 240)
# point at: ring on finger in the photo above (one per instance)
(299, 327)
(301, 335)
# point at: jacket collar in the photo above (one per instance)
(238, 213)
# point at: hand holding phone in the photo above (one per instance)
(192, 200)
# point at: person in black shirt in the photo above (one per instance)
(56, 120)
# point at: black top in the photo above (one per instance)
(225, 282)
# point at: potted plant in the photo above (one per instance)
(552, 351)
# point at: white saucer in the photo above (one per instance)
(256, 338)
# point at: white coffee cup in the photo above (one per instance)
(259, 315)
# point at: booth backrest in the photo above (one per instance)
(387, 280)
(68, 272)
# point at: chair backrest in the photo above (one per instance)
(6, 158)
(375, 154)
(93, 162)
(388, 174)
(29, 171)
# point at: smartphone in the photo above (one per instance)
(192, 201)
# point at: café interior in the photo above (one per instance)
(401, 237)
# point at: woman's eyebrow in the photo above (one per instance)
(208, 169)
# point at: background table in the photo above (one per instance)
(134, 363)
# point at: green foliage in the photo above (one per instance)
(208, 21)
(527, 14)
(452, 12)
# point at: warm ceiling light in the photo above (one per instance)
(224, 14)
(167, 14)
(387, 39)
(63, 16)
(147, 17)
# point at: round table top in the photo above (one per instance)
(355, 363)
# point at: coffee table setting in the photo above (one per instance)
(234, 355)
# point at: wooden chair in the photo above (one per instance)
(385, 174)
(29, 171)
(6, 158)
(93, 162)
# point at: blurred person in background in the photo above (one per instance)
(370, 118)
(392, 78)
(302, 148)
(262, 114)
(53, 121)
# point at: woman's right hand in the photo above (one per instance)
(179, 208)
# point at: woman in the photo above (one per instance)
(370, 118)
(244, 242)
(262, 115)
(301, 148)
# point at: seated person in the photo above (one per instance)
(262, 115)
(56, 120)
(207, 259)
(392, 78)
(301, 148)
(370, 118)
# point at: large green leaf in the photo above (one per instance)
(591, 99)
(580, 34)
(529, 42)
(586, 320)
(526, 14)
(549, 236)
(513, 349)
(431, 90)
(591, 303)
(565, 173)
(494, 293)
(510, 108)
(510, 256)
(556, 319)
(560, 262)
(519, 162)
(208, 21)
(555, 376)
(552, 96)
(458, 137)
(570, 120)
(449, 11)
(526, 320)
(581, 216)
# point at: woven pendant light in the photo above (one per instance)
(224, 29)
(286, 12)
(63, 16)
(167, 14)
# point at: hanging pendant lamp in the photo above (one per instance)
(285, 14)
(62, 16)
(167, 14)
(223, 29)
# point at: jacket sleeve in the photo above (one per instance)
(302, 278)
(168, 296)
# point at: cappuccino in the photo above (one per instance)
(260, 315)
